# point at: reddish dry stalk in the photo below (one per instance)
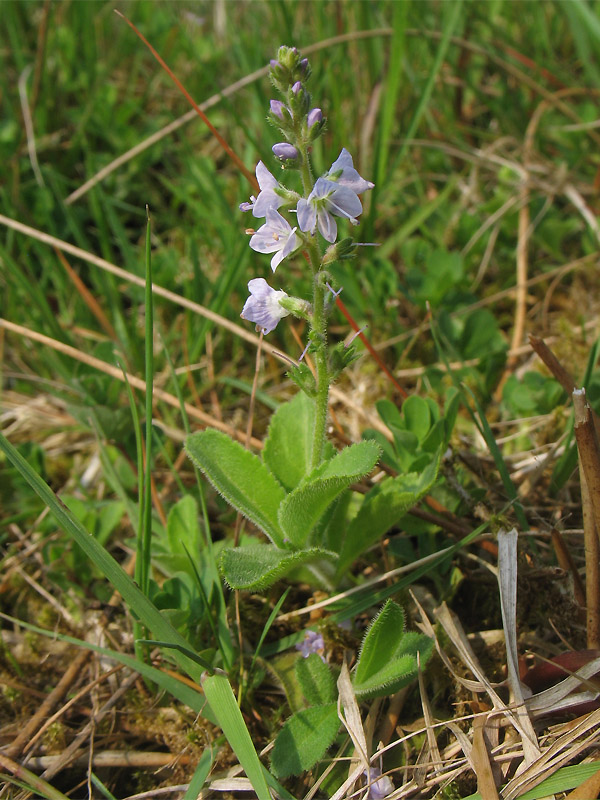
(562, 375)
(589, 461)
(565, 561)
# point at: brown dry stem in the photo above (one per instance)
(589, 460)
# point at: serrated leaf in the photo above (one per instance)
(302, 508)
(257, 567)
(288, 446)
(388, 657)
(304, 739)
(241, 477)
(316, 680)
(382, 508)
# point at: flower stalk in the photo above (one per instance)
(330, 196)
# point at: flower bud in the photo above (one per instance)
(277, 108)
(296, 87)
(274, 64)
(315, 115)
(285, 151)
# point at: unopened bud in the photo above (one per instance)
(315, 115)
(285, 151)
(277, 108)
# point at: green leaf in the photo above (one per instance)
(257, 567)
(288, 446)
(417, 416)
(304, 739)
(382, 508)
(183, 531)
(223, 704)
(316, 680)
(302, 508)
(388, 658)
(135, 599)
(241, 477)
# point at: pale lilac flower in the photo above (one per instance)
(296, 87)
(275, 236)
(285, 151)
(343, 173)
(313, 643)
(314, 116)
(327, 198)
(268, 197)
(262, 307)
(379, 786)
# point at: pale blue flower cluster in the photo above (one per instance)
(334, 195)
(380, 786)
(312, 643)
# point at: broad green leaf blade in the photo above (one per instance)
(382, 508)
(257, 567)
(302, 508)
(288, 446)
(183, 530)
(147, 612)
(417, 416)
(224, 706)
(241, 477)
(304, 739)
(316, 680)
(388, 658)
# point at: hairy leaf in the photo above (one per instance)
(304, 739)
(257, 567)
(302, 508)
(241, 477)
(388, 658)
(316, 680)
(382, 508)
(288, 446)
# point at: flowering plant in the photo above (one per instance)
(298, 493)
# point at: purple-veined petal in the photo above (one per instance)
(262, 307)
(275, 236)
(307, 216)
(327, 225)
(349, 176)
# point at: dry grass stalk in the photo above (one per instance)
(507, 581)
(589, 459)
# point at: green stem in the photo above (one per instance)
(322, 398)
(318, 327)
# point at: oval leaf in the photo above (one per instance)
(388, 658)
(302, 508)
(257, 567)
(383, 507)
(304, 739)
(240, 477)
